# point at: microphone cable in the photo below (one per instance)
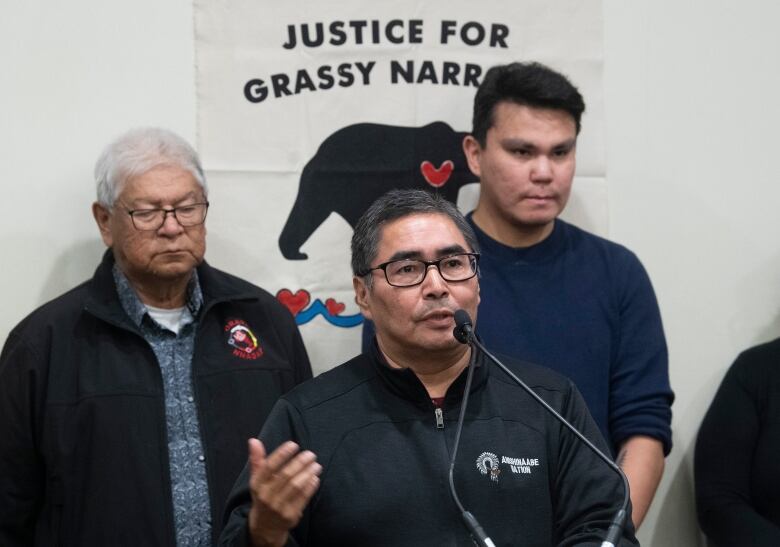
(469, 520)
(464, 333)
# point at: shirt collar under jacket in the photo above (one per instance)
(404, 382)
(136, 310)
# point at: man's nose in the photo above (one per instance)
(542, 170)
(171, 225)
(434, 285)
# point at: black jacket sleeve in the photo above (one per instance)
(291, 338)
(21, 467)
(283, 425)
(586, 491)
(300, 358)
(723, 462)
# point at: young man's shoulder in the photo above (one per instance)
(601, 256)
(585, 241)
(537, 377)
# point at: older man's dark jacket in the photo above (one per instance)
(83, 440)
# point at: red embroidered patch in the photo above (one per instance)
(242, 340)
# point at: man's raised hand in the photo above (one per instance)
(281, 485)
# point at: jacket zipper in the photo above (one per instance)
(439, 418)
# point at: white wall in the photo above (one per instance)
(692, 112)
(691, 94)
(74, 76)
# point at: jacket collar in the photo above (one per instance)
(136, 309)
(215, 286)
(405, 383)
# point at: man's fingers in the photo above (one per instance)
(283, 466)
(303, 486)
(295, 466)
(285, 475)
(281, 484)
(277, 459)
(295, 494)
(263, 468)
(256, 455)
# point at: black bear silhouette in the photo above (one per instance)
(358, 163)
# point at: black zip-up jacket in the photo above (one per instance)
(83, 436)
(385, 452)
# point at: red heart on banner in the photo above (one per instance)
(334, 308)
(294, 302)
(436, 177)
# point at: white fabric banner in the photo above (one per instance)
(308, 111)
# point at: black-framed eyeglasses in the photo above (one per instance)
(186, 215)
(409, 272)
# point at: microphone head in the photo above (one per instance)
(463, 327)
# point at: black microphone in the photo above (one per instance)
(464, 333)
(464, 330)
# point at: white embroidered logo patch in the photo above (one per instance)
(522, 466)
(487, 463)
(490, 464)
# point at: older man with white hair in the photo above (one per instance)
(125, 403)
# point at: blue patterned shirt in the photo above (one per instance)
(189, 487)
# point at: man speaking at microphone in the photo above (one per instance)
(360, 455)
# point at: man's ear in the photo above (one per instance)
(472, 150)
(103, 220)
(362, 296)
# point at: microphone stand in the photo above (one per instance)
(464, 333)
(473, 526)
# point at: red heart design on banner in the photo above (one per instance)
(436, 177)
(294, 302)
(334, 308)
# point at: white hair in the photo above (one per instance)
(139, 151)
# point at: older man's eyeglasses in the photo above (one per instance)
(186, 215)
(408, 272)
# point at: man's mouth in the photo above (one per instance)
(438, 315)
(169, 252)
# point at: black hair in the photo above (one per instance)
(397, 204)
(531, 84)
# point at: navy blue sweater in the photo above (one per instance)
(583, 306)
